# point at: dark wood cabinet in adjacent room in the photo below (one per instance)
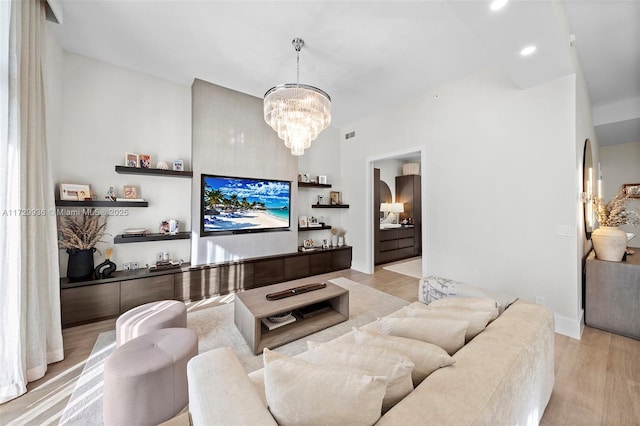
(409, 193)
(397, 243)
(400, 243)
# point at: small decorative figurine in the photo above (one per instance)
(106, 268)
(111, 195)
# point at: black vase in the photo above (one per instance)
(80, 265)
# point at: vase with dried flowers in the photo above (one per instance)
(79, 234)
(334, 236)
(341, 234)
(609, 241)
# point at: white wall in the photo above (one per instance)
(499, 178)
(620, 165)
(107, 111)
(584, 130)
(53, 85)
(231, 138)
(389, 169)
(323, 158)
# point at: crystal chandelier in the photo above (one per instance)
(297, 112)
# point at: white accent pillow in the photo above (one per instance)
(471, 303)
(426, 357)
(478, 320)
(378, 361)
(434, 288)
(300, 393)
(448, 334)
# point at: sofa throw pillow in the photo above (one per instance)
(426, 357)
(471, 303)
(478, 320)
(378, 361)
(434, 288)
(448, 334)
(300, 393)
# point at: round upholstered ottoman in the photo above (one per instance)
(145, 379)
(149, 317)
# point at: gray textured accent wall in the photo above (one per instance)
(230, 137)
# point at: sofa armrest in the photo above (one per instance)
(220, 391)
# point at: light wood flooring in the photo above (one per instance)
(597, 378)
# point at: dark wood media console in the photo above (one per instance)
(89, 301)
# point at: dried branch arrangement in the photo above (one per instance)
(81, 232)
(615, 212)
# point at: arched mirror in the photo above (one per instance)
(385, 195)
(588, 188)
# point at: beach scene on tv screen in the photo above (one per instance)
(231, 204)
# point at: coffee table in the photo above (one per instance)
(252, 306)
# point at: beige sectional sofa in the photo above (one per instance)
(503, 376)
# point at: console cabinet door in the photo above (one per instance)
(320, 263)
(144, 290)
(267, 272)
(89, 303)
(296, 267)
(341, 259)
(197, 284)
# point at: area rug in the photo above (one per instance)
(212, 320)
(413, 268)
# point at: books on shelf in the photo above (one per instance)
(313, 310)
(273, 325)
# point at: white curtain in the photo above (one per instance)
(30, 330)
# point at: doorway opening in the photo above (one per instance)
(397, 230)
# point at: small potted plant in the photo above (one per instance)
(79, 234)
(609, 241)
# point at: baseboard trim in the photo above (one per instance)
(361, 267)
(570, 327)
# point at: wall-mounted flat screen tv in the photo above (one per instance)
(235, 205)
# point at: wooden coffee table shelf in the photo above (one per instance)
(252, 306)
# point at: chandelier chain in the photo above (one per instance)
(297, 44)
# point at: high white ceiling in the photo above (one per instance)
(366, 54)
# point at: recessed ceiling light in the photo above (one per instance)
(528, 50)
(497, 4)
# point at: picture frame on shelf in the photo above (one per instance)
(178, 165)
(131, 160)
(632, 189)
(334, 197)
(145, 161)
(302, 222)
(130, 192)
(84, 196)
(72, 191)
